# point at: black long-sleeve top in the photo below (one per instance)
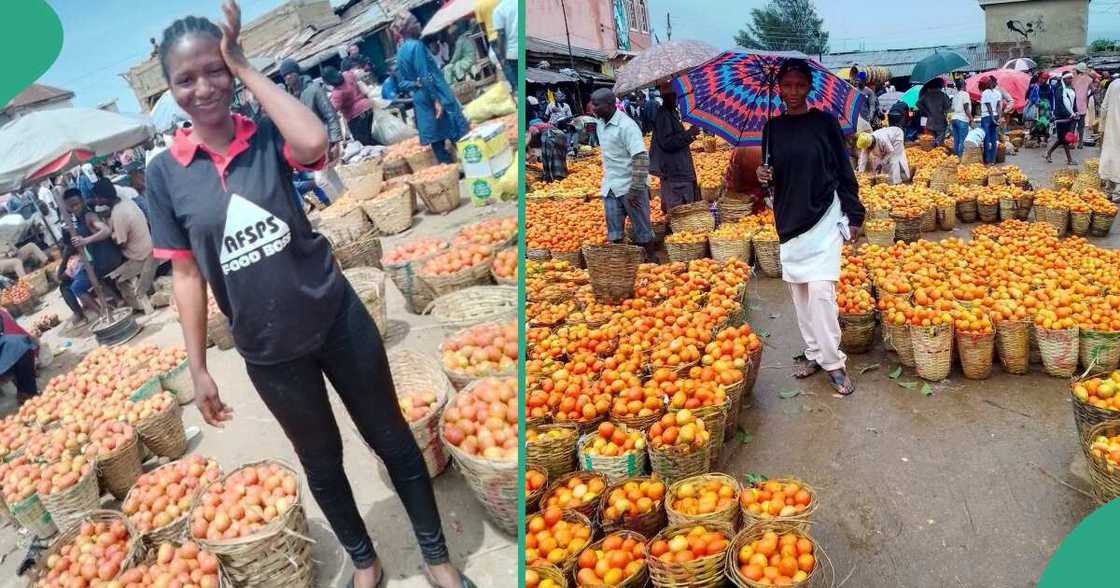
(810, 163)
(669, 156)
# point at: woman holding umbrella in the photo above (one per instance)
(816, 208)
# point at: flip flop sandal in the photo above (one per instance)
(464, 581)
(380, 580)
(806, 368)
(841, 383)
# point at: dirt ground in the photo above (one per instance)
(966, 487)
(487, 555)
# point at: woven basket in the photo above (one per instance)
(416, 373)
(976, 353)
(553, 573)
(178, 382)
(37, 282)
(557, 456)
(1105, 475)
(362, 187)
(1085, 415)
(1059, 348)
(278, 554)
(362, 251)
(715, 421)
(897, 338)
(422, 159)
(728, 516)
(932, 351)
(440, 194)
(32, 514)
(369, 284)
(342, 227)
(118, 470)
(613, 269)
(417, 293)
(769, 257)
(648, 524)
(686, 251)
(735, 395)
(134, 553)
(391, 211)
(638, 579)
(1079, 223)
(176, 529)
(473, 306)
(800, 521)
(972, 154)
(670, 464)
(218, 331)
(475, 275)
(163, 433)
(947, 217)
(462, 379)
(395, 168)
(704, 572)
(567, 566)
(1008, 208)
(857, 332)
(538, 254)
(750, 372)
(70, 505)
(695, 217)
(750, 534)
(575, 258)
(1101, 224)
(641, 423)
(614, 469)
(1013, 346)
(724, 248)
(881, 237)
(989, 213)
(734, 206)
(1057, 218)
(997, 179)
(967, 211)
(494, 483)
(1099, 351)
(929, 220)
(587, 509)
(907, 230)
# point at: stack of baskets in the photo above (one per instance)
(391, 210)
(369, 285)
(691, 218)
(362, 180)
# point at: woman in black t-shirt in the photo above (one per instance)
(816, 208)
(222, 209)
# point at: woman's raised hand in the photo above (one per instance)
(232, 51)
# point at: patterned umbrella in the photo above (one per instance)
(734, 94)
(1014, 81)
(661, 62)
(1021, 64)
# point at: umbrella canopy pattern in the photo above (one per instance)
(1021, 64)
(446, 16)
(939, 62)
(661, 62)
(1015, 82)
(735, 94)
(910, 97)
(41, 142)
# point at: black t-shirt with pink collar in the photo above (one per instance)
(235, 214)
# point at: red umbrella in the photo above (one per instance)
(1015, 82)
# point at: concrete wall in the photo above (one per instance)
(590, 22)
(1059, 25)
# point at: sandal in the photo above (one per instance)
(378, 584)
(806, 367)
(1048, 159)
(464, 581)
(841, 382)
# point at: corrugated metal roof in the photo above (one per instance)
(901, 62)
(36, 93)
(311, 46)
(536, 75)
(538, 45)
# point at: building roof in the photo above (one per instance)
(536, 75)
(310, 46)
(901, 62)
(539, 45)
(38, 94)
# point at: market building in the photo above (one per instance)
(36, 97)
(1051, 26)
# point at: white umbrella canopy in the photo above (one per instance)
(43, 142)
(1020, 64)
(166, 114)
(661, 62)
(446, 16)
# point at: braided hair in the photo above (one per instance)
(184, 26)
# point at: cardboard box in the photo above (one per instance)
(485, 151)
(481, 191)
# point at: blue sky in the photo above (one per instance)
(859, 24)
(105, 38)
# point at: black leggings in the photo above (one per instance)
(23, 372)
(353, 359)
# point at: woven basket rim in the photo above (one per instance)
(185, 513)
(273, 528)
(477, 463)
(671, 493)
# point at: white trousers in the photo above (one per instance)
(818, 317)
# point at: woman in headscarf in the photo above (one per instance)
(1064, 119)
(463, 57)
(349, 100)
(295, 318)
(86, 179)
(816, 208)
(439, 116)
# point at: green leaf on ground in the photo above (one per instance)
(742, 435)
(868, 368)
(926, 390)
(909, 385)
(752, 478)
(787, 394)
(895, 373)
(763, 334)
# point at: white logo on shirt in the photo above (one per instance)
(251, 234)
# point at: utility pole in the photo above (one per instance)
(668, 27)
(571, 58)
